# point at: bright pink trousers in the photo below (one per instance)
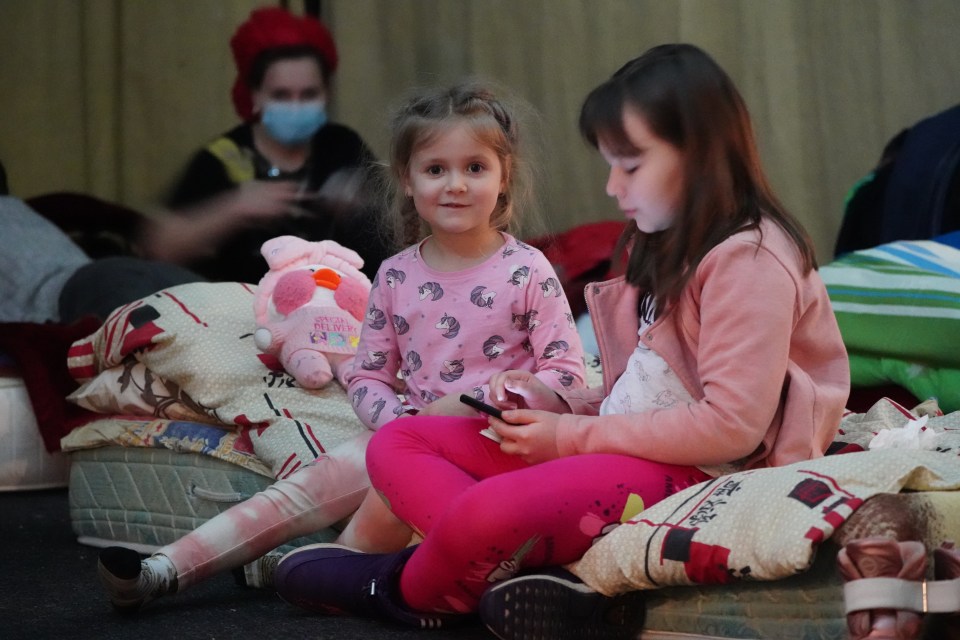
(485, 515)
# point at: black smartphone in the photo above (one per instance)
(481, 406)
(485, 408)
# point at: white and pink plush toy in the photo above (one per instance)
(309, 308)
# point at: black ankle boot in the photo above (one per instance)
(127, 584)
(556, 605)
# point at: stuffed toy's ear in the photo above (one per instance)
(283, 250)
(332, 249)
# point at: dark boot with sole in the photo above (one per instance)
(130, 581)
(556, 605)
(337, 580)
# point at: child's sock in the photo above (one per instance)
(131, 582)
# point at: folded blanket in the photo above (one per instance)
(898, 307)
(199, 363)
(899, 300)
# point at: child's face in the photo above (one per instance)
(648, 186)
(455, 181)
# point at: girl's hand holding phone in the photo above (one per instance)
(522, 390)
(529, 434)
(483, 407)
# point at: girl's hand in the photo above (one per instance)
(531, 435)
(523, 390)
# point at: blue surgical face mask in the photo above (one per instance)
(293, 122)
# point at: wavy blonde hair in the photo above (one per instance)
(432, 112)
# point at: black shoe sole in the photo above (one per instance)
(543, 607)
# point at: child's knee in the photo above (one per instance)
(403, 433)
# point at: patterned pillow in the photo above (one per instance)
(131, 389)
(767, 524)
(197, 340)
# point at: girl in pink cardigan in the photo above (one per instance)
(720, 353)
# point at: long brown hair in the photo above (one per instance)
(687, 100)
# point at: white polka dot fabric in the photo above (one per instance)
(198, 338)
(766, 524)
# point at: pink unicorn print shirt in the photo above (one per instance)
(429, 333)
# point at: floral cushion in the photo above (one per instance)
(200, 363)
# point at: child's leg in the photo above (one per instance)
(441, 458)
(547, 514)
(374, 528)
(316, 496)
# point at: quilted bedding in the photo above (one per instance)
(752, 592)
(180, 436)
(145, 482)
(714, 565)
(195, 418)
(145, 498)
(187, 353)
(808, 605)
(714, 532)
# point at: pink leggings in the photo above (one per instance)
(485, 514)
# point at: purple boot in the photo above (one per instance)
(337, 580)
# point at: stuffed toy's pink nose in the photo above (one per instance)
(293, 290)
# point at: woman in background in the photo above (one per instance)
(286, 170)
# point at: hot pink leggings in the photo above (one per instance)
(485, 514)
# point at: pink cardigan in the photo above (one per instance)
(753, 340)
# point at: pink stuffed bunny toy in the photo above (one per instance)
(309, 308)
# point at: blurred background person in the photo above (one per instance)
(286, 170)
